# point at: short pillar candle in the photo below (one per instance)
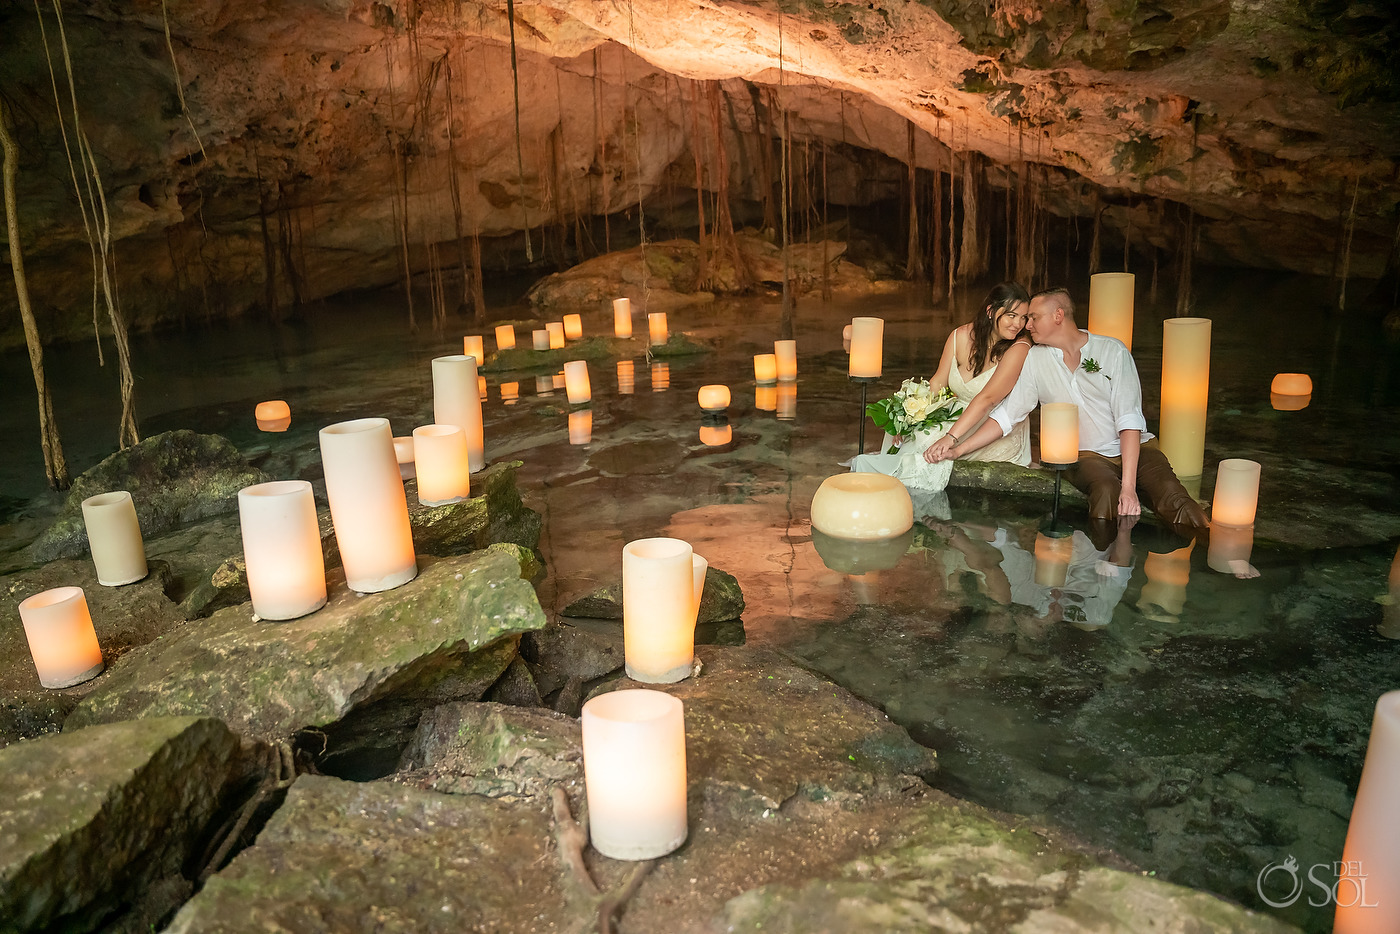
(505, 337)
(862, 506)
(622, 317)
(457, 401)
(634, 773)
(656, 327)
(1059, 433)
(573, 327)
(765, 368)
(114, 536)
(556, 334)
(540, 339)
(275, 415)
(1236, 492)
(1291, 384)
(1185, 387)
(61, 639)
(867, 347)
(440, 460)
(368, 506)
(581, 426)
(626, 377)
(1111, 305)
(662, 580)
(576, 382)
(1371, 856)
(282, 548)
(786, 354)
(474, 346)
(713, 398)
(403, 453)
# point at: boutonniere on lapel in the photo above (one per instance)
(1092, 366)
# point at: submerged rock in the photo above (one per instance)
(100, 822)
(721, 600)
(446, 635)
(174, 478)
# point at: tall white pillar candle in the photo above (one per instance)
(656, 327)
(785, 353)
(1185, 388)
(1111, 305)
(368, 506)
(474, 346)
(867, 347)
(576, 382)
(114, 535)
(61, 639)
(1059, 433)
(282, 548)
(622, 317)
(457, 401)
(441, 462)
(1368, 890)
(662, 580)
(634, 773)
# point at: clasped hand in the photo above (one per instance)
(940, 450)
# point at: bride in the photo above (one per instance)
(981, 362)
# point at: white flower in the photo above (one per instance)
(918, 407)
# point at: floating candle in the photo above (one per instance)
(862, 506)
(273, 416)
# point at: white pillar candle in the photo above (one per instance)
(765, 398)
(662, 580)
(474, 346)
(1052, 557)
(634, 773)
(368, 506)
(510, 393)
(713, 398)
(61, 638)
(1230, 547)
(846, 338)
(867, 347)
(540, 339)
(660, 377)
(765, 368)
(1185, 388)
(1291, 384)
(1236, 492)
(1368, 890)
(441, 461)
(622, 317)
(716, 435)
(787, 400)
(282, 548)
(457, 401)
(862, 506)
(656, 327)
(403, 453)
(576, 382)
(1111, 305)
(581, 426)
(573, 327)
(114, 536)
(275, 415)
(1059, 433)
(556, 334)
(785, 353)
(626, 378)
(505, 337)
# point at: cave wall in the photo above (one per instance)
(311, 131)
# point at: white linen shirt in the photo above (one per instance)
(1109, 400)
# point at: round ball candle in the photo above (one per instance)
(576, 382)
(474, 346)
(61, 639)
(787, 400)
(1291, 384)
(1052, 557)
(275, 415)
(1236, 492)
(457, 401)
(505, 337)
(716, 435)
(862, 506)
(1111, 305)
(785, 353)
(1185, 386)
(1229, 545)
(368, 506)
(714, 398)
(556, 334)
(403, 452)
(660, 377)
(634, 773)
(765, 368)
(581, 426)
(573, 327)
(440, 458)
(1059, 433)
(626, 377)
(656, 327)
(114, 536)
(765, 398)
(622, 317)
(846, 338)
(662, 580)
(282, 548)
(867, 347)
(540, 339)
(1371, 856)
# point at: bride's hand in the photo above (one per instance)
(940, 450)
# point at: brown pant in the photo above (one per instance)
(1101, 479)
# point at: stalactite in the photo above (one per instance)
(703, 272)
(268, 250)
(1346, 250)
(826, 235)
(763, 133)
(786, 326)
(971, 263)
(400, 203)
(454, 187)
(55, 465)
(1128, 235)
(1187, 250)
(726, 244)
(936, 290)
(952, 252)
(600, 140)
(519, 151)
(286, 245)
(914, 261)
(1094, 242)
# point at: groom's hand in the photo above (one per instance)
(940, 450)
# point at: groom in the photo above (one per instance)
(1117, 455)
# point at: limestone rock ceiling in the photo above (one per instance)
(316, 135)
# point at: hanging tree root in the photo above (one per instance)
(281, 774)
(572, 838)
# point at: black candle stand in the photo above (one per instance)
(1055, 529)
(865, 382)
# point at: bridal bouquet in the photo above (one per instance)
(915, 407)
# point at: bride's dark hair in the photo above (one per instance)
(998, 300)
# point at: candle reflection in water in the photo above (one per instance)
(544, 385)
(660, 377)
(1230, 549)
(716, 435)
(1390, 616)
(510, 393)
(581, 426)
(1052, 558)
(787, 400)
(1164, 593)
(765, 398)
(626, 377)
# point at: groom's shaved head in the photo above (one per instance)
(1058, 297)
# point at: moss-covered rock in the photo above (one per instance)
(174, 478)
(721, 600)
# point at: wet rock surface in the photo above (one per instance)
(721, 600)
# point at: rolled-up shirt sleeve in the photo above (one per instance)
(1126, 396)
(1018, 403)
